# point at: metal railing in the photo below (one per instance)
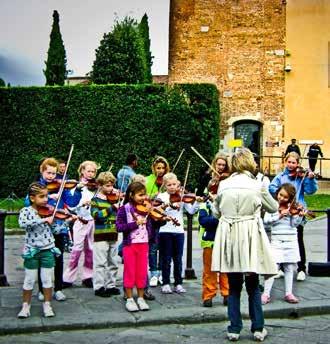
(273, 164)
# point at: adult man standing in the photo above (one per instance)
(125, 174)
(293, 147)
(313, 153)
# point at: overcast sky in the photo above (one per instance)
(26, 26)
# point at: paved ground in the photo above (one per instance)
(83, 310)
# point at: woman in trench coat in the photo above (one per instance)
(241, 247)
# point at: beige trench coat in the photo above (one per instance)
(241, 243)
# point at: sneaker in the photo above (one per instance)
(290, 298)
(301, 276)
(207, 303)
(153, 281)
(147, 295)
(280, 274)
(88, 283)
(131, 306)
(41, 296)
(265, 298)
(25, 311)
(102, 292)
(113, 291)
(143, 306)
(233, 337)
(179, 289)
(66, 285)
(225, 301)
(260, 336)
(166, 289)
(48, 310)
(160, 280)
(59, 296)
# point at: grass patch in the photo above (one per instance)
(318, 202)
(11, 204)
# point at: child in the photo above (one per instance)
(83, 230)
(208, 226)
(306, 184)
(48, 169)
(137, 232)
(284, 241)
(105, 266)
(154, 181)
(39, 250)
(171, 237)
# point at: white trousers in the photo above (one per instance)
(105, 266)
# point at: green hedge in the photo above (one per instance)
(105, 123)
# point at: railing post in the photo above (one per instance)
(189, 272)
(328, 233)
(3, 278)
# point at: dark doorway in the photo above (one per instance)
(249, 132)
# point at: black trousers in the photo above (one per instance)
(312, 164)
(302, 252)
(58, 270)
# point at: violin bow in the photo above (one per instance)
(207, 163)
(185, 179)
(62, 183)
(177, 160)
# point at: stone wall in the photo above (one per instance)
(240, 46)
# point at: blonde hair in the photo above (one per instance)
(292, 155)
(48, 162)
(157, 160)
(169, 176)
(222, 156)
(243, 160)
(84, 164)
(139, 178)
(105, 178)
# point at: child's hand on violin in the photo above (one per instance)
(48, 219)
(284, 212)
(311, 174)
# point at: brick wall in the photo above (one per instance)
(239, 45)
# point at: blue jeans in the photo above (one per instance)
(171, 247)
(234, 307)
(154, 259)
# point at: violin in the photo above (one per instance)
(114, 196)
(48, 210)
(159, 181)
(298, 172)
(296, 209)
(55, 185)
(215, 181)
(92, 184)
(157, 214)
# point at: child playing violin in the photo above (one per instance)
(171, 236)
(154, 181)
(48, 169)
(304, 184)
(105, 266)
(137, 232)
(284, 240)
(39, 250)
(83, 230)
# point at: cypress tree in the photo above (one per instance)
(144, 33)
(120, 56)
(2, 83)
(55, 72)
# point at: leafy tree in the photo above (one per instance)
(2, 83)
(55, 72)
(144, 33)
(120, 57)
